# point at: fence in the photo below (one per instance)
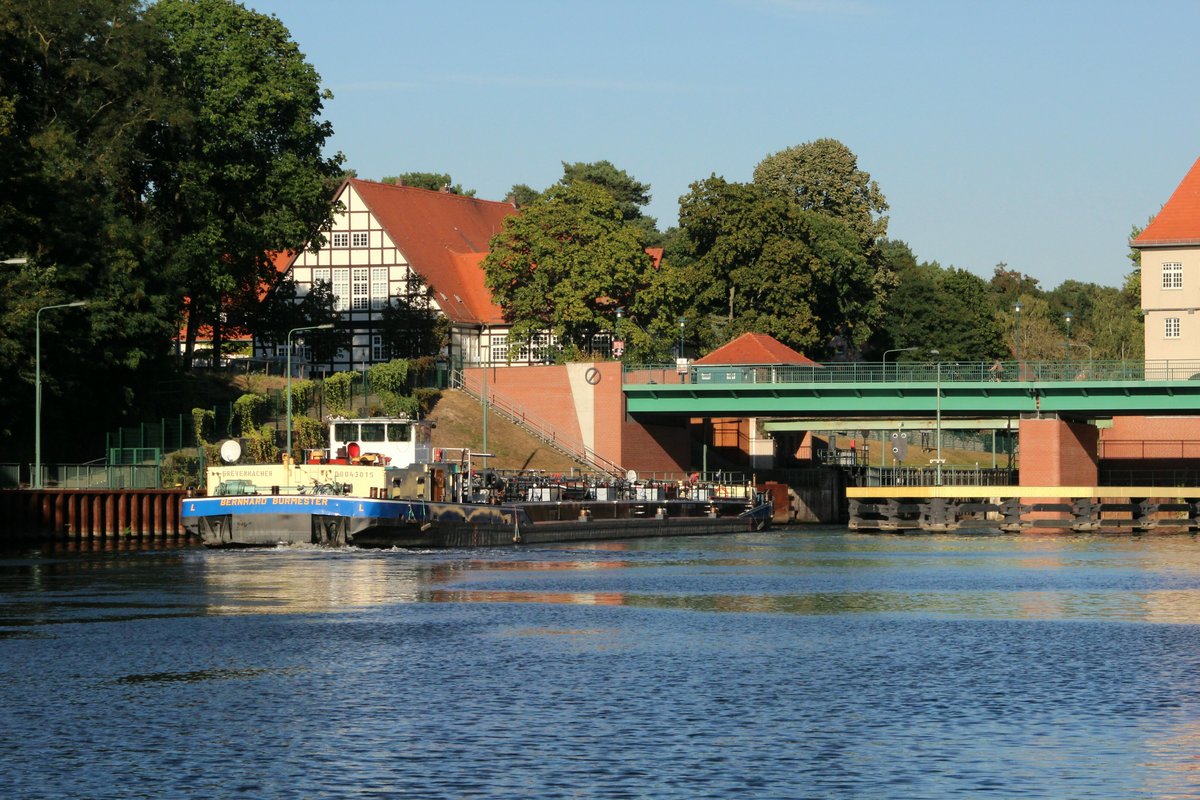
(921, 372)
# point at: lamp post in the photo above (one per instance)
(37, 387)
(938, 423)
(1017, 338)
(681, 324)
(1067, 317)
(324, 327)
(897, 350)
(619, 345)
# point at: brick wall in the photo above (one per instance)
(1058, 453)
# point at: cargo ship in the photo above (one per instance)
(380, 483)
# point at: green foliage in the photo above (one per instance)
(391, 376)
(282, 311)
(565, 264)
(203, 420)
(823, 176)
(522, 195)
(304, 394)
(241, 172)
(436, 181)
(248, 411)
(260, 445)
(307, 434)
(948, 310)
(338, 388)
(409, 325)
(426, 399)
(181, 469)
(762, 263)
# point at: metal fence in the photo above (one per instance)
(919, 372)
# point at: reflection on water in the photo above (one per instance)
(812, 663)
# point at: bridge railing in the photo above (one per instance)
(915, 372)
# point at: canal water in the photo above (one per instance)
(807, 663)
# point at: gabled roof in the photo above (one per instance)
(1178, 223)
(755, 348)
(444, 237)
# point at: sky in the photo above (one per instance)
(1031, 133)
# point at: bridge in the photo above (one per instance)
(1066, 389)
(1052, 404)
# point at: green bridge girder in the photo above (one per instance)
(829, 393)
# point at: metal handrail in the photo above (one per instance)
(1087, 370)
(536, 426)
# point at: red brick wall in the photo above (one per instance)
(1151, 438)
(1057, 453)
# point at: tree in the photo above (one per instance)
(762, 263)
(823, 176)
(79, 100)
(565, 264)
(434, 181)
(947, 310)
(241, 173)
(410, 325)
(630, 195)
(522, 195)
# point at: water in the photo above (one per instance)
(798, 664)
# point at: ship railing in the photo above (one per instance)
(536, 426)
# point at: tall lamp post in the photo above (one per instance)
(326, 326)
(938, 423)
(1067, 317)
(37, 387)
(897, 350)
(682, 321)
(1017, 338)
(618, 345)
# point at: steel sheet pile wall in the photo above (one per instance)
(68, 514)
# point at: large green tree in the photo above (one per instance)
(80, 99)
(242, 173)
(565, 264)
(760, 261)
(823, 176)
(948, 310)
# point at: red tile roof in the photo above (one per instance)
(754, 348)
(1178, 223)
(444, 237)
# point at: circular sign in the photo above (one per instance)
(592, 376)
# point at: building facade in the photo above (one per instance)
(384, 241)
(1170, 280)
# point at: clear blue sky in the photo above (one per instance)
(1034, 133)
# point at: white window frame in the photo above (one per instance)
(360, 288)
(360, 239)
(379, 287)
(376, 348)
(341, 289)
(339, 239)
(1172, 275)
(498, 345)
(1171, 328)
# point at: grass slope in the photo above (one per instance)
(459, 421)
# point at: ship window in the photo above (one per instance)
(345, 431)
(372, 432)
(399, 433)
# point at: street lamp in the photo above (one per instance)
(326, 326)
(1017, 339)
(37, 386)
(618, 345)
(897, 350)
(938, 423)
(1067, 317)
(681, 323)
